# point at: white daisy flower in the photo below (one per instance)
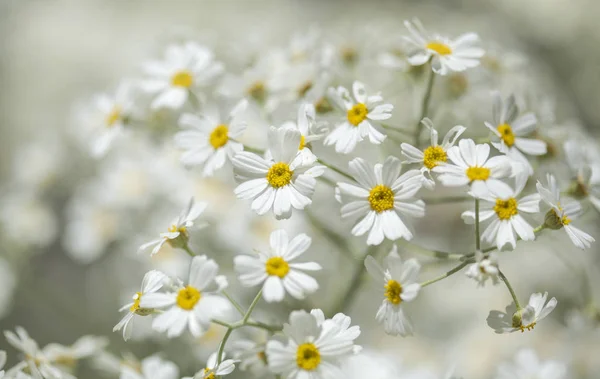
(185, 69)
(213, 369)
(511, 320)
(583, 158)
(208, 140)
(435, 153)
(314, 346)
(399, 283)
(445, 54)
(193, 305)
(277, 270)
(484, 268)
(66, 357)
(358, 122)
(252, 356)
(309, 132)
(560, 214)
(527, 365)
(509, 129)
(280, 182)
(152, 282)
(153, 367)
(470, 165)
(382, 199)
(505, 210)
(178, 233)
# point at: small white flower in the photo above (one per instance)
(583, 158)
(382, 199)
(527, 365)
(435, 153)
(208, 140)
(185, 69)
(213, 369)
(560, 214)
(193, 305)
(277, 270)
(251, 356)
(445, 54)
(470, 165)
(314, 347)
(152, 282)
(280, 182)
(510, 321)
(309, 131)
(178, 233)
(153, 367)
(509, 129)
(358, 121)
(398, 282)
(484, 268)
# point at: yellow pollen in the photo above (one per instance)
(528, 327)
(323, 105)
(113, 116)
(219, 136)
(439, 47)
(357, 114)
(302, 143)
(381, 198)
(277, 266)
(136, 302)
(208, 374)
(433, 155)
(565, 220)
(182, 79)
(478, 173)
(393, 289)
(506, 134)
(308, 356)
(258, 91)
(279, 175)
(505, 209)
(188, 297)
(182, 229)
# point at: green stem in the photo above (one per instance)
(222, 346)
(355, 282)
(189, 251)
(424, 105)
(326, 181)
(434, 253)
(447, 274)
(223, 323)
(398, 130)
(510, 289)
(252, 306)
(539, 228)
(260, 325)
(477, 237)
(237, 306)
(333, 168)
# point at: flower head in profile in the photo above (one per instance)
(153, 367)
(360, 113)
(185, 69)
(484, 268)
(525, 319)
(309, 131)
(583, 158)
(446, 54)
(208, 139)
(314, 347)
(152, 282)
(383, 199)
(277, 269)
(398, 281)
(193, 305)
(281, 182)
(528, 365)
(215, 369)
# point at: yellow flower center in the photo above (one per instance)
(478, 173)
(439, 47)
(505, 209)
(349, 55)
(113, 116)
(528, 327)
(308, 356)
(277, 266)
(302, 143)
(357, 114)
(219, 136)
(188, 297)
(323, 105)
(181, 229)
(279, 175)
(564, 220)
(304, 88)
(393, 289)
(506, 134)
(258, 91)
(262, 356)
(433, 155)
(209, 374)
(182, 79)
(136, 302)
(381, 198)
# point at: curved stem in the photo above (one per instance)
(333, 168)
(510, 289)
(447, 274)
(187, 249)
(252, 306)
(424, 104)
(235, 304)
(260, 325)
(222, 345)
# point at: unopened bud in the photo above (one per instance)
(552, 221)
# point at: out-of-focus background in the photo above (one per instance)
(54, 55)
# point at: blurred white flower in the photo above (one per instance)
(153, 367)
(484, 268)
(583, 158)
(527, 365)
(512, 320)
(213, 369)
(251, 356)
(26, 220)
(66, 357)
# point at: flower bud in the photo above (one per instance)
(552, 221)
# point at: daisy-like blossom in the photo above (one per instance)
(152, 282)
(66, 357)
(314, 347)
(484, 268)
(309, 131)
(193, 305)
(526, 319)
(208, 139)
(583, 158)
(153, 367)
(509, 128)
(398, 282)
(527, 365)
(281, 182)
(213, 369)
(178, 233)
(505, 210)
(277, 269)
(435, 153)
(185, 69)
(444, 53)
(561, 214)
(251, 356)
(382, 199)
(471, 166)
(361, 112)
